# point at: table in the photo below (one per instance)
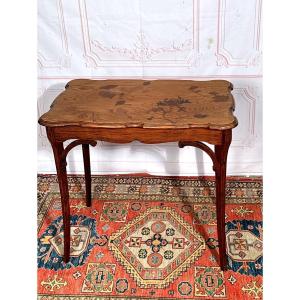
(191, 113)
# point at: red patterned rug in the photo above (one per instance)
(148, 237)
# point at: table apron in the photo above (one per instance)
(143, 135)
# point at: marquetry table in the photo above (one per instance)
(157, 111)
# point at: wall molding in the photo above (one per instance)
(142, 54)
(184, 77)
(249, 139)
(63, 60)
(224, 57)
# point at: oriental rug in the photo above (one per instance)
(149, 237)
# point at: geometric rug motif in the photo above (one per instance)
(50, 243)
(150, 237)
(156, 247)
(99, 278)
(209, 282)
(245, 246)
(205, 214)
(114, 212)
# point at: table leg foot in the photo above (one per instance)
(87, 174)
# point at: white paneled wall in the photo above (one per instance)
(176, 39)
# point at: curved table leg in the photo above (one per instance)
(219, 159)
(60, 154)
(60, 163)
(87, 173)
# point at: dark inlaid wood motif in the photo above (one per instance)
(145, 104)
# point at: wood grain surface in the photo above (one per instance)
(143, 104)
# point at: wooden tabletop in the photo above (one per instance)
(146, 104)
